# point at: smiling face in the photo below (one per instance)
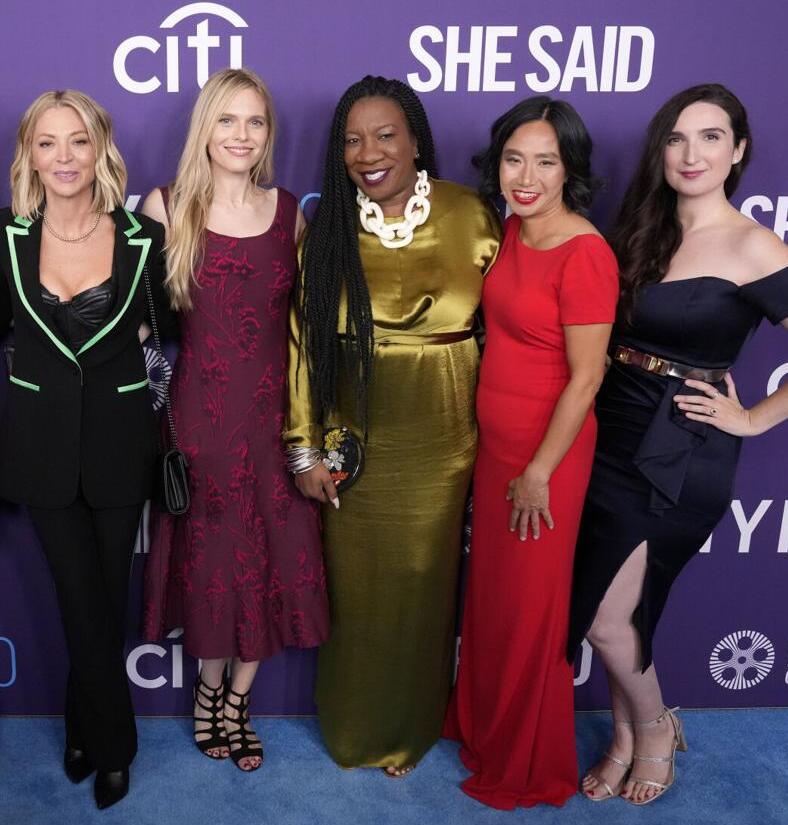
(531, 172)
(240, 134)
(700, 150)
(380, 151)
(62, 153)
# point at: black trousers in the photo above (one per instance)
(89, 553)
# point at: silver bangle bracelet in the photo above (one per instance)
(303, 459)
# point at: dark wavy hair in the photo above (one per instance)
(574, 146)
(647, 231)
(331, 263)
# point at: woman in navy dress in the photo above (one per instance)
(697, 278)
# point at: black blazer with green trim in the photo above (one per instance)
(79, 418)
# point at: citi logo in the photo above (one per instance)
(137, 73)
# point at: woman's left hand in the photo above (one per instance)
(724, 412)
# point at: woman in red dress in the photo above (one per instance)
(549, 303)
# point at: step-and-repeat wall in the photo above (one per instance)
(724, 638)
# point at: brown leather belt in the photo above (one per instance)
(661, 366)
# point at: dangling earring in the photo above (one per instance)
(417, 155)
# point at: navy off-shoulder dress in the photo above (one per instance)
(657, 475)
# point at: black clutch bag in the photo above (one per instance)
(172, 482)
(343, 456)
(173, 491)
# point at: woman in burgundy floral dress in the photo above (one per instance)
(242, 572)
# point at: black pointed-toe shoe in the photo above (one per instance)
(110, 787)
(77, 765)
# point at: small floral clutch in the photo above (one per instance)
(343, 456)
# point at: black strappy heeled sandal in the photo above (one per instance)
(212, 733)
(249, 745)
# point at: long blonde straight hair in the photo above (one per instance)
(192, 192)
(27, 191)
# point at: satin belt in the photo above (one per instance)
(665, 451)
(383, 336)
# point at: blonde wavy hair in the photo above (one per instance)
(27, 191)
(192, 192)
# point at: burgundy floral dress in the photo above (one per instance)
(242, 572)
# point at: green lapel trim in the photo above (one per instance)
(131, 387)
(11, 232)
(26, 384)
(135, 224)
(144, 244)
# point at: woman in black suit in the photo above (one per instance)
(77, 435)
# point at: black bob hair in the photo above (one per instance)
(574, 145)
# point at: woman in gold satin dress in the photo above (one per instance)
(382, 343)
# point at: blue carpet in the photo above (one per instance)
(734, 772)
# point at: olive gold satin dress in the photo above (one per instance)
(392, 550)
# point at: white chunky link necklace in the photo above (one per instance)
(396, 235)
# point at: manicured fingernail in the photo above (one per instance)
(335, 502)
(522, 538)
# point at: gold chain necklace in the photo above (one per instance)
(72, 240)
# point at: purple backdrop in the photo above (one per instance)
(616, 62)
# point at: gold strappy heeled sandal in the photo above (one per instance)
(610, 792)
(679, 743)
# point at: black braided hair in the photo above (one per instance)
(331, 261)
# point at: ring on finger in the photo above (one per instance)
(712, 411)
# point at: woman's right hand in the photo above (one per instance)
(318, 484)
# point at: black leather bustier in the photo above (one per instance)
(78, 319)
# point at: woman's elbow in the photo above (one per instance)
(587, 384)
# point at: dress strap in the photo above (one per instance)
(287, 209)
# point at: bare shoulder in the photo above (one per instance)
(267, 197)
(761, 248)
(153, 207)
(581, 226)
